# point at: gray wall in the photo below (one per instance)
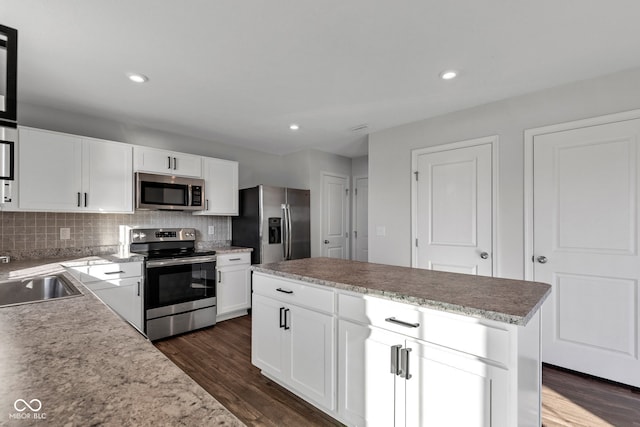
(255, 167)
(297, 170)
(390, 158)
(360, 166)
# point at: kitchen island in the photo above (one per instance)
(87, 366)
(373, 344)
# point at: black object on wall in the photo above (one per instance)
(9, 64)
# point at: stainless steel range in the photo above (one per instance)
(180, 283)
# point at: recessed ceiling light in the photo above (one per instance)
(448, 74)
(294, 126)
(138, 78)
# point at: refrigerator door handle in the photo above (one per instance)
(289, 234)
(285, 232)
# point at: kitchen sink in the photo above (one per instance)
(36, 289)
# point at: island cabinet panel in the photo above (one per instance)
(294, 344)
(385, 379)
(397, 364)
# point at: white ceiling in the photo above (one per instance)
(240, 71)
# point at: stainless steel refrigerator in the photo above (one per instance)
(275, 222)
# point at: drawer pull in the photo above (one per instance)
(284, 291)
(113, 272)
(401, 323)
(235, 259)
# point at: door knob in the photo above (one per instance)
(326, 242)
(484, 255)
(542, 259)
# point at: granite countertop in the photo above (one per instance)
(231, 250)
(503, 300)
(87, 366)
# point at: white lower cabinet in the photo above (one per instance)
(233, 285)
(397, 364)
(118, 285)
(295, 346)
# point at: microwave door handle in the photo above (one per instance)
(189, 195)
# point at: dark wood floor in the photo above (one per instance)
(219, 359)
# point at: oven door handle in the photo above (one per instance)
(180, 261)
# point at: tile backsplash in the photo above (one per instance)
(28, 235)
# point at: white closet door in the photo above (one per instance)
(586, 247)
(454, 210)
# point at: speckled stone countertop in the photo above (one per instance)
(87, 366)
(503, 300)
(231, 250)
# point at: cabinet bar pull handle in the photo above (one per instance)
(206, 208)
(219, 276)
(282, 322)
(395, 351)
(169, 158)
(235, 259)
(404, 363)
(175, 164)
(113, 272)
(138, 288)
(286, 324)
(78, 199)
(85, 200)
(284, 291)
(401, 323)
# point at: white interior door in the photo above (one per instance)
(361, 219)
(453, 216)
(585, 235)
(335, 197)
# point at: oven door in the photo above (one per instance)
(179, 285)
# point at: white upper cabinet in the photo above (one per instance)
(107, 177)
(221, 187)
(66, 173)
(165, 162)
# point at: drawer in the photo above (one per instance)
(294, 292)
(232, 259)
(483, 338)
(114, 283)
(113, 271)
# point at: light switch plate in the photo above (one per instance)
(212, 229)
(381, 230)
(65, 233)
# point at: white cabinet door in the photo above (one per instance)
(107, 177)
(310, 342)
(366, 386)
(234, 288)
(124, 297)
(267, 339)
(295, 346)
(167, 162)
(450, 388)
(50, 170)
(220, 187)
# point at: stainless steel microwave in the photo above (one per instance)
(166, 192)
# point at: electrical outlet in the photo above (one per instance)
(65, 233)
(212, 229)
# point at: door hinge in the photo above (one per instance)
(416, 174)
(355, 191)
(346, 190)
(355, 233)
(416, 243)
(346, 234)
